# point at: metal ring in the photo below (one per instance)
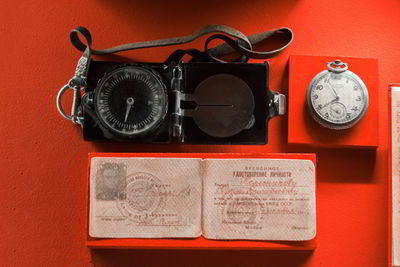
(337, 66)
(59, 98)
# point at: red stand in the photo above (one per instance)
(302, 129)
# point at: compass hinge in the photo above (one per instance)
(176, 86)
(176, 126)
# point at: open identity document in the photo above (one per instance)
(395, 175)
(241, 198)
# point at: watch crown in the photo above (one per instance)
(337, 66)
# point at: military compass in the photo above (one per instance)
(131, 101)
(337, 98)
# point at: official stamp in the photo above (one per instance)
(242, 210)
(145, 197)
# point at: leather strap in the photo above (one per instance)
(234, 41)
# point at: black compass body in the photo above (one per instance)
(195, 103)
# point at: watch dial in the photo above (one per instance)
(338, 98)
(131, 101)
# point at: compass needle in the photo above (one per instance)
(129, 103)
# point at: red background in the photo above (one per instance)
(43, 162)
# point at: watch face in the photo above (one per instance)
(131, 101)
(337, 100)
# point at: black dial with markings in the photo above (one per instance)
(131, 101)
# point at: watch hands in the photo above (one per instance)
(129, 103)
(330, 102)
(330, 85)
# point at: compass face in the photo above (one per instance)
(131, 101)
(337, 100)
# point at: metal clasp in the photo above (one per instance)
(277, 105)
(76, 83)
(176, 83)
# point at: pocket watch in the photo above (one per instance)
(337, 98)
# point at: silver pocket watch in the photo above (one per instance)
(337, 98)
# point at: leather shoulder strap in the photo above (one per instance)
(234, 41)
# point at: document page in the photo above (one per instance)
(145, 197)
(259, 199)
(396, 175)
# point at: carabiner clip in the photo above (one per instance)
(76, 102)
(77, 83)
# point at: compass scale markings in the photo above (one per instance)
(148, 117)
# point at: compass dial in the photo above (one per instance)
(131, 101)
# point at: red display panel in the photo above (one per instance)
(200, 242)
(302, 129)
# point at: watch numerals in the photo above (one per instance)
(342, 95)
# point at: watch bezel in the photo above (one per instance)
(320, 119)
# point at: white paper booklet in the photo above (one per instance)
(256, 199)
(395, 176)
